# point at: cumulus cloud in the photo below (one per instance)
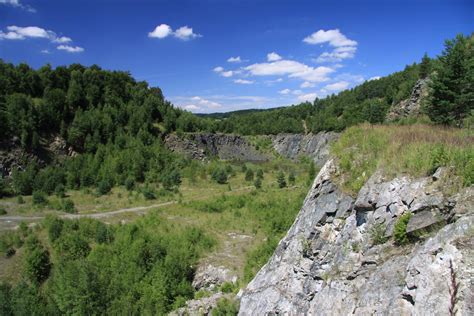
(273, 56)
(45, 51)
(70, 49)
(164, 30)
(243, 81)
(186, 33)
(198, 103)
(161, 31)
(332, 37)
(307, 97)
(307, 84)
(374, 78)
(17, 4)
(291, 68)
(344, 48)
(218, 69)
(337, 86)
(284, 91)
(192, 107)
(338, 54)
(234, 59)
(227, 74)
(14, 32)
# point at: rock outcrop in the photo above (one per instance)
(315, 146)
(210, 277)
(336, 259)
(224, 146)
(201, 306)
(412, 105)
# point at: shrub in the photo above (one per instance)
(3, 211)
(281, 180)
(36, 265)
(20, 200)
(228, 287)
(258, 183)
(260, 174)
(291, 178)
(60, 190)
(130, 183)
(148, 193)
(104, 187)
(400, 230)
(10, 252)
(68, 206)
(39, 198)
(219, 175)
(225, 307)
(377, 234)
(249, 175)
(55, 227)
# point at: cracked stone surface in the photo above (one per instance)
(328, 264)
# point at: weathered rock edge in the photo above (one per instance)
(327, 264)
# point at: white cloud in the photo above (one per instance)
(17, 4)
(273, 56)
(161, 31)
(307, 97)
(243, 81)
(227, 74)
(45, 51)
(374, 78)
(307, 84)
(14, 32)
(337, 54)
(218, 69)
(192, 107)
(284, 91)
(70, 49)
(333, 37)
(291, 68)
(337, 86)
(234, 59)
(62, 40)
(186, 33)
(164, 30)
(297, 92)
(205, 103)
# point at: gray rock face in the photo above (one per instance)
(209, 277)
(315, 146)
(329, 264)
(412, 105)
(224, 146)
(202, 306)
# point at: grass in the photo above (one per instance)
(417, 150)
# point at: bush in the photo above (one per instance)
(68, 206)
(291, 178)
(20, 200)
(377, 234)
(10, 252)
(130, 183)
(225, 307)
(281, 180)
(148, 193)
(36, 265)
(39, 198)
(249, 175)
(104, 187)
(258, 183)
(3, 211)
(260, 174)
(400, 230)
(60, 191)
(228, 287)
(219, 175)
(54, 226)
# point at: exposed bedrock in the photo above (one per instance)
(329, 263)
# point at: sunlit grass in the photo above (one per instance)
(417, 150)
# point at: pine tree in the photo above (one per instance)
(425, 66)
(291, 178)
(281, 180)
(249, 175)
(452, 96)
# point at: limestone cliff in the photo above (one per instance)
(335, 259)
(315, 146)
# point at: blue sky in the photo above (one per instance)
(215, 56)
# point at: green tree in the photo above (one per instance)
(281, 180)
(452, 87)
(425, 66)
(291, 178)
(258, 183)
(249, 175)
(311, 172)
(36, 264)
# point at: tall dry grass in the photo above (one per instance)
(417, 150)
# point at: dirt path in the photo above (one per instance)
(10, 222)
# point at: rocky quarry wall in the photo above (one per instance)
(328, 263)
